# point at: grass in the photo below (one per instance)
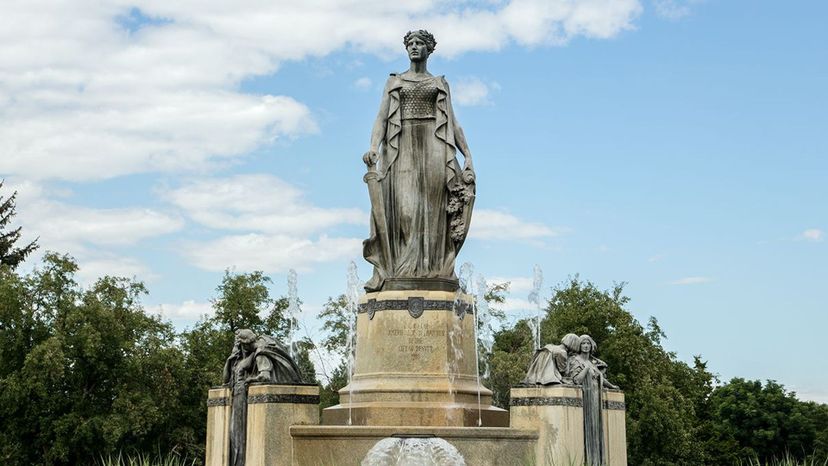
(141, 459)
(787, 460)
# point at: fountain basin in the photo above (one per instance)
(348, 445)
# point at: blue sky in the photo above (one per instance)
(678, 146)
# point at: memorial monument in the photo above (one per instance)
(415, 350)
(415, 396)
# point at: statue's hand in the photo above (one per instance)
(468, 175)
(370, 158)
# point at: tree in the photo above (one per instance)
(336, 319)
(748, 420)
(85, 372)
(9, 254)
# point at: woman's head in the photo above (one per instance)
(420, 36)
(586, 344)
(570, 342)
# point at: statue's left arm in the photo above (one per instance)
(461, 143)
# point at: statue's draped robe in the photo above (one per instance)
(268, 355)
(592, 385)
(548, 366)
(417, 170)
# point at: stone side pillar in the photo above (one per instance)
(615, 427)
(556, 413)
(218, 427)
(271, 410)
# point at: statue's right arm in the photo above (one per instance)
(378, 131)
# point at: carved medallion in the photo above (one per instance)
(416, 306)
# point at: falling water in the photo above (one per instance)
(484, 326)
(456, 332)
(293, 308)
(479, 289)
(534, 298)
(352, 297)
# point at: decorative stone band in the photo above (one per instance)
(619, 405)
(415, 306)
(212, 402)
(286, 398)
(563, 401)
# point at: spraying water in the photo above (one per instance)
(485, 331)
(413, 452)
(534, 298)
(352, 296)
(293, 308)
(479, 300)
(456, 332)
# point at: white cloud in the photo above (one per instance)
(497, 225)
(62, 226)
(818, 395)
(517, 285)
(187, 310)
(691, 281)
(472, 91)
(518, 306)
(271, 253)
(675, 9)
(363, 83)
(262, 203)
(812, 234)
(94, 90)
(92, 269)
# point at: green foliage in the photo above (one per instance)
(336, 324)
(511, 354)
(11, 256)
(85, 372)
(329, 393)
(747, 419)
(661, 392)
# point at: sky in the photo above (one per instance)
(678, 146)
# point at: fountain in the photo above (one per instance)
(534, 298)
(414, 394)
(293, 308)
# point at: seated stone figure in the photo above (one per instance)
(548, 367)
(259, 359)
(254, 359)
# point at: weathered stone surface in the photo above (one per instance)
(415, 368)
(271, 410)
(556, 412)
(421, 199)
(218, 427)
(348, 445)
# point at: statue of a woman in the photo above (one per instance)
(590, 372)
(421, 200)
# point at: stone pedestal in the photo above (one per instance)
(556, 413)
(271, 411)
(218, 427)
(415, 364)
(348, 445)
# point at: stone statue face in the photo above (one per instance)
(246, 339)
(417, 49)
(586, 347)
